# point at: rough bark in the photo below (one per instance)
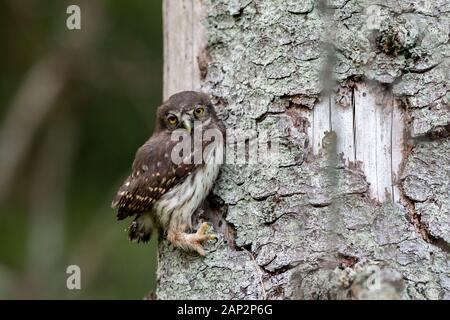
(310, 228)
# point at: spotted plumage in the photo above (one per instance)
(162, 193)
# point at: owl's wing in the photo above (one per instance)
(153, 174)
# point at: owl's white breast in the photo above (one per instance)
(175, 208)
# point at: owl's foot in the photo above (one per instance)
(191, 241)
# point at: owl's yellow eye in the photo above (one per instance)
(199, 111)
(173, 120)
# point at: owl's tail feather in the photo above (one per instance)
(141, 228)
(123, 213)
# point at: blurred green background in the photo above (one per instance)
(74, 107)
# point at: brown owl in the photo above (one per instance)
(162, 194)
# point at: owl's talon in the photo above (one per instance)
(201, 235)
(192, 241)
(212, 237)
(203, 228)
(199, 249)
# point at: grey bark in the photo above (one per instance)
(308, 229)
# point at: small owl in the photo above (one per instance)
(163, 194)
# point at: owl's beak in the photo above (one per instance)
(187, 124)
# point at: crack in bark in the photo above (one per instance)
(416, 220)
(280, 270)
(438, 132)
(258, 270)
(416, 71)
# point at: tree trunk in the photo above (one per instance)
(356, 94)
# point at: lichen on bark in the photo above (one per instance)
(307, 229)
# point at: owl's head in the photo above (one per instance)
(182, 109)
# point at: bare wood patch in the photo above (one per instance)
(369, 127)
(321, 123)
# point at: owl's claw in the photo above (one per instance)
(196, 239)
(201, 233)
(192, 241)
